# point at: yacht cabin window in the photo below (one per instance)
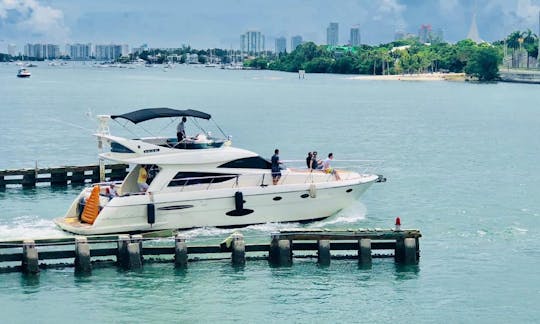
(255, 162)
(191, 178)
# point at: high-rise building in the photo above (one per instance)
(140, 49)
(79, 51)
(252, 42)
(243, 43)
(332, 34)
(437, 36)
(12, 50)
(424, 34)
(399, 35)
(295, 42)
(108, 52)
(355, 36)
(281, 45)
(42, 51)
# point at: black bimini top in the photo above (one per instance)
(152, 113)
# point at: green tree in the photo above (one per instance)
(484, 63)
(319, 65)
(530, 44)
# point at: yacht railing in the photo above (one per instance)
(346, 171)
(360, 166)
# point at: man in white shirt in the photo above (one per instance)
(328, 168)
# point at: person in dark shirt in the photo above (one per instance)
(308, 159)
(315, 163)
(181, 130)
(276, 170)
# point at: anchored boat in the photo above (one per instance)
(201, 181)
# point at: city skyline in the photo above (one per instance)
(218, 25)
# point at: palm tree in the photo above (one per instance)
(514, 41)
(529, 41)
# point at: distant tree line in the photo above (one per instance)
(480, 61)
(400, 57)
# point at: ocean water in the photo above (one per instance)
(462, 162)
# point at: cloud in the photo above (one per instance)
(527, 12)
(33, 20)
(392, 9)
(448, 6)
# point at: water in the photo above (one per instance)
(462, 162)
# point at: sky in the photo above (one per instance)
(211, 23)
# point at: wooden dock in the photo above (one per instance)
(132, 252)
(62, 176)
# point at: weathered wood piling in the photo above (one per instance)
(30, 257)
(83, 262)
(180, 252)
(61, 176)
(132, 251)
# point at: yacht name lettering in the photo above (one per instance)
(151, 151)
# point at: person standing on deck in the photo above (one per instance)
(180, 130)
(276, 171)
(308, 159)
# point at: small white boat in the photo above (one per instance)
(23, 73)
(202, 182)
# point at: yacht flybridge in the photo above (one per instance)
(200, 181)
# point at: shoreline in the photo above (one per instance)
(437, 76)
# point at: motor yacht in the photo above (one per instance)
(201, 181)
(23, 73)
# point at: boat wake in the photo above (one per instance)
(351, 215)
(30, 227)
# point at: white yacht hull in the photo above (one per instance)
(190, 209)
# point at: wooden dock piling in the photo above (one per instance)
(59, 178)
(29, 179)
(364, 252)
(134, 255)
(238, 247)
(122, 257)
(323, 252)
(410, 251)
(83, 262)
(30, 257)
(180, 252)
(285, 253)
(138, 238)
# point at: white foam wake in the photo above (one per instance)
(30, 227)
(352, 214)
